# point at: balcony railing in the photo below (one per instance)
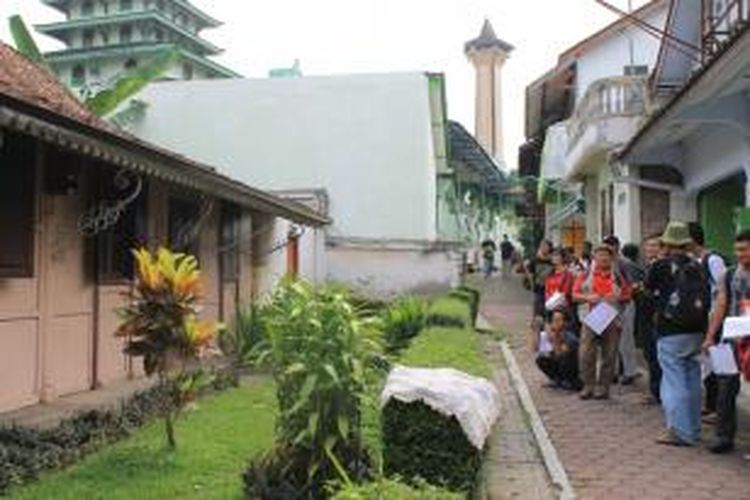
(609, 98)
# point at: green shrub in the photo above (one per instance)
(403, 321)
(391, 489)
(450, 312)
(419, 442)
(241, 344)
(25, 452)
(319, 351)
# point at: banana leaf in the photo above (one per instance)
(24, 42)
(132, 82)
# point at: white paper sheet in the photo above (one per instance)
(706, 368)
(600, 317)
(545, 345)
(736, 327)
(555, 301)
(723, 361)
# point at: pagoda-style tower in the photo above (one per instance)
(106, 37)
(488, 54)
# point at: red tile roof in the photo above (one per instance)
(27, 81)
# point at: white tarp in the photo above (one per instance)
(472, 400)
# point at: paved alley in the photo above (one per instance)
(607, 448)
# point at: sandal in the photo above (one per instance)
(669, 439)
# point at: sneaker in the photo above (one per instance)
(586, 394)
(721, 447)
(601, 393)
(668, 438)
(710, 419)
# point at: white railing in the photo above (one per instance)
(608, 98)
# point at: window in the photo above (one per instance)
(18, 158)
(126, 5)
(88, 39)
(87, 8)
(184, 233)
(114, 258)
(159, 35)
(126, 33)
(229, 243)
(78, 76)
(131, 64)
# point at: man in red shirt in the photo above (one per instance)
(602, 283)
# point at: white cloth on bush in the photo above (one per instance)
(472, 400)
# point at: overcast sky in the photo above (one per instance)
(365, 36)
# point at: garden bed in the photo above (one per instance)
(208, 463)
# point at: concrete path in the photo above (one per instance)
(607, 448)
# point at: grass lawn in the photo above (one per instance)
(215, 443)
(447, 348)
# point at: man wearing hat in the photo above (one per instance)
(678, 287)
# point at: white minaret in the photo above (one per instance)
(488, 55)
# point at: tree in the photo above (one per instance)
(125, 86)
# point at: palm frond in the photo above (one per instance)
(24, 42)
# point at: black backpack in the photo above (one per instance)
(687, 305)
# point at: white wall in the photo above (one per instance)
(385, 272)
(712, 155)
(609, 56)
(366, 139)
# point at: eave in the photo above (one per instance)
(208, 21)
(59, 29)
(128, 152)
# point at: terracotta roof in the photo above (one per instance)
(27, 81)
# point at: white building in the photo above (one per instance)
(583, 111)
(700, 136)
(377, 145)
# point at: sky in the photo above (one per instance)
(373, 36)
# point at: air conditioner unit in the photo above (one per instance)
(636, 70)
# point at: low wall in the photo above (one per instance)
(385, 269)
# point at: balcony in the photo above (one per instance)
(607, 116)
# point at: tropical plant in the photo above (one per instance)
(402, 322)
(161, 325)
(124, 86)
(243, 343)
(319, 350)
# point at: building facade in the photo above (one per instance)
(106, 38)
(580, 114)
(377, 144)
(76, 195)
(695, 150)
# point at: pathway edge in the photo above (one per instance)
(551, 459)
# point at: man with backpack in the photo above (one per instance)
(714, 268)
(601, 283)
(732, 299)
(679, 289)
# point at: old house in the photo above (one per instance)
(697, 144)
(580, 113)
(75, 196)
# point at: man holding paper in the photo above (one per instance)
(600, 292)
(731, 305)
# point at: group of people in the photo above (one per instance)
(670, 297)
(507, 256)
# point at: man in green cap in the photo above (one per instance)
(678, 286)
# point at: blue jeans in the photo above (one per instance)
(681, 391)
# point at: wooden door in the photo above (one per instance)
(654, 212)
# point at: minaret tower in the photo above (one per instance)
(488, 55)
